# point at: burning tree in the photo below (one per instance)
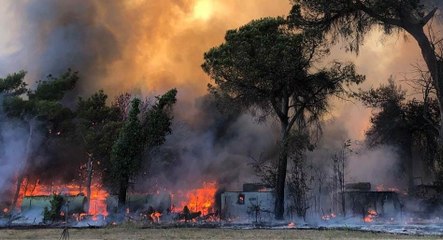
(41, 111)
(264, 66)
(140, 133)
(97, 130)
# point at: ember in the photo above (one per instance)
(155, 216)
(328, 217)
(372, 214)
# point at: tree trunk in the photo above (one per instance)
(27, 158)
(17, 191)
(89, 182)
(435, 68)
(281, 173)
(123, 188)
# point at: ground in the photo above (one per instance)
(125, 232)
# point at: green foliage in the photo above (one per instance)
(98, 125)
(136, 136)
(53, 213)
(266, 66)
(157, 122)
(127, 150)
(54, 89)
(13, 84)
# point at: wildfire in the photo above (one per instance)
(370, 216)
(97, 203)
(200, 199)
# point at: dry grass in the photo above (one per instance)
(131, 232)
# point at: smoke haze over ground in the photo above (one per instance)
(147, 47)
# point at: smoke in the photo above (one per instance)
(12, 153)
(148, 46)
(216, 147)
(15, 149)
(379, 166)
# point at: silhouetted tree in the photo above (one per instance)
(353, 19)
(264, 66)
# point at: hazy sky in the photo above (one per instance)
(148, 46)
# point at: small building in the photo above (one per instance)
(360, 198)
(255, 202)
(160, 202)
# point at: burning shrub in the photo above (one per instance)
(54, 213)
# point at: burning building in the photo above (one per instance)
(361, 199)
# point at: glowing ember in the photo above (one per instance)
(97, 203)
(382, 188)
(328, 217)
(155, 216)
(370, 216)
(200, 199)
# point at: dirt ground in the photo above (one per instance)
(125, 232)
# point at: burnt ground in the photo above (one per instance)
(135, 232)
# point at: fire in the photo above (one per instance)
(370, 216)
(200, 199)
(328, 217)
(382, 188)
(155, 216)
(97, 203)
(5, 210)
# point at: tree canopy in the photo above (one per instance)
(266, 66)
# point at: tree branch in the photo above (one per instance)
(370, 12)
(428, 17)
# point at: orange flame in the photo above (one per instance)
(382, 188)
(370, 216)
(200, 199)
(328, 217)
(156, 216)
(97, 203)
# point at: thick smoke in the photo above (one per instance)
(147, 47)
(15, 149)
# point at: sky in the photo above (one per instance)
(149, 46)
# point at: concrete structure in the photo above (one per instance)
(254, 203)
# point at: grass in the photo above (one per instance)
(131, 232)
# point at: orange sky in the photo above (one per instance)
(161, 45)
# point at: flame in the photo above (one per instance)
(328, 217)
(5, 210)
(382, 188)
(370, 216)
(155, 216)
(97, 203)
(292, 225)
(200, 199)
